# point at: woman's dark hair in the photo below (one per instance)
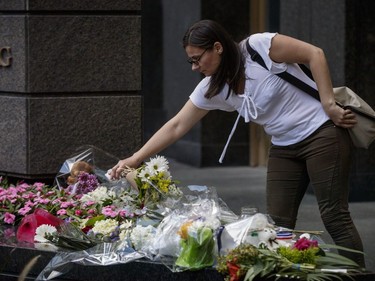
(204, 34)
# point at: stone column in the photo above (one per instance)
(70, 75)
(345, 31)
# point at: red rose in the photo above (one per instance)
(304, 243)
(233, 271)
(87, 229)
(29, 224)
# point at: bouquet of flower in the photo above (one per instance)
(186, 238)
(197, 245)
(305, 260)
(154, 182)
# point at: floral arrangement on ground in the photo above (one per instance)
(147, 215)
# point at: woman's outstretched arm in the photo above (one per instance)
(171, 131)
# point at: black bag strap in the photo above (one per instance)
(287, 76)
(298, 83)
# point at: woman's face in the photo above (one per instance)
(206, 61)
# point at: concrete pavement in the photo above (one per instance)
(241, 186)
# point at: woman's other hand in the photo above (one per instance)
(344, 118)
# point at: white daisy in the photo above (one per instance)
(146, 173)
(159, 164)
(41, 231)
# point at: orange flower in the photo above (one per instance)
(183, 231)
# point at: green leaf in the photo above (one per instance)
(93, 220)
(331, 246)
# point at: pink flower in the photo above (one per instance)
(89, 203)
(108, 211)
(61, 212)
(29, 204)
(125, 213)
(78, 212)
(66, 205)
(304, 243)
(9, 233)
(23, 211)
(38, 184)
(43, 201)
(9, 218)
(91, 211)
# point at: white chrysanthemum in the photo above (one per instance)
(174, 190)
(142, 236)
(126, 198)
(105, 227)
(198, 224)
(126, 224)
(159, 164)
(99, 194)
(41, 231)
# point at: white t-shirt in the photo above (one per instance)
(287, 114)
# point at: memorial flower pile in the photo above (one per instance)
(146, 215)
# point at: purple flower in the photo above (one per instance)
(85, 183)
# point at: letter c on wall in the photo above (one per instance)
(5, 56)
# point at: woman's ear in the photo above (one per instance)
(218, 47)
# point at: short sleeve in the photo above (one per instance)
(197, 96)
(261, 42)
(219, 101)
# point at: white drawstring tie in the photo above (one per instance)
(250, 111)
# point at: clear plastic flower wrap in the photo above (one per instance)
(185, 239)
(102, 254)
(88, 159)
(243, 231)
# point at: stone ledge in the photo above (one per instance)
(13, 260)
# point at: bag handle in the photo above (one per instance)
(287, 76)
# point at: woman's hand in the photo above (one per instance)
(123, 166)
(344, 118)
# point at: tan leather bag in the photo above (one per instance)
(363, 133)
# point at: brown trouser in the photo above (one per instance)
(324, 160)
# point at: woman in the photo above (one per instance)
(309, 140)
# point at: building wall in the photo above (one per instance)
(72, 77)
